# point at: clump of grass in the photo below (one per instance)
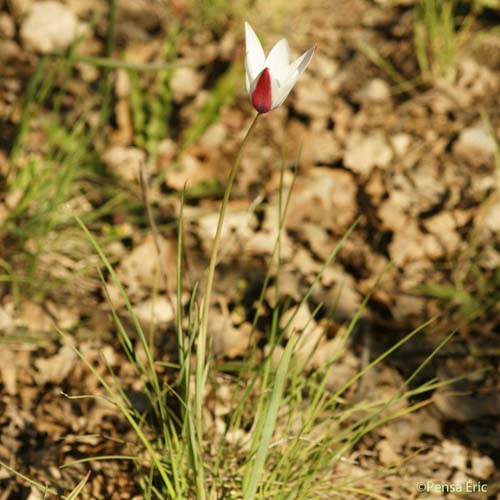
(52, 165)
(441, 37)
(285, 432)
(152, 110)
(439, 41)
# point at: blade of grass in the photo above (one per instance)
(254, 472)
(79, 487)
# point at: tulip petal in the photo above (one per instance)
(262, 92)
(280, 94)
(255, 56)
(278, 60)
(301, 63)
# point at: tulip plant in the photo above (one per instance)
(269, 82)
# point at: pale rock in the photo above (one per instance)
(239, 228)
(443, 227)
(124, 133)
(492, 218)
(191, 172)
(392, 211)
(13, 198)
(237, 436)
(9, 371)
(416, 273)
(302, 259)
(88, 72)
(64, 316)
(376, 90)
(155, 311)
(344, 370)
(330, 349)
(56, 368)
(461, 216)
(226, 340)
(122, 83)
(476, 145)
(364, 152)
(433, 248)
(326, 66)
(6, 320)
(447, 97)
(375, 188)
(324, 196)
(224, 398)
(289, 285)
(298, 319)
(480, 185)
(455, 455)
(476, 80)
(341, 296)
(427, 190)
(215, 136)
(313, 99)
(308, 345)
(319, 147)
(264, 243)
(407, 245)
(482, 467)
(387, 454)
(10, 51)
(318, 239)
(35, 494)
(49, 26)
(408, 306)
(109, 355)
(124, 161)
(400, 142)
(461, 478)
(140, 269)
(166, 150)
(228, 44)
(185, 82)
(35, 318)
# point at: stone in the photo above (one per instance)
(476, 145)
(482, 467)
(185, 82)
(376, 90)
(49, 26)
(364, 152)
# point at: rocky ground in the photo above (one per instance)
(412, 154)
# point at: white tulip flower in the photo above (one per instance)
(270, 80)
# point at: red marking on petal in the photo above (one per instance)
(261, 96)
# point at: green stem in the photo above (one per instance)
(201, 362)
(111, 63)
